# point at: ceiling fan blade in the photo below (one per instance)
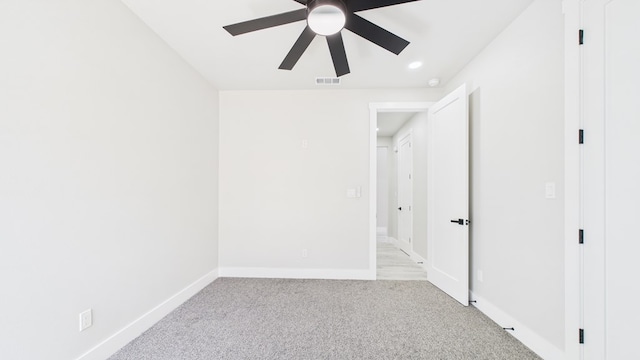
(303, 2)
(360, 5)
(298, 49)
(376, 34)
(338, 54)
(266, 22)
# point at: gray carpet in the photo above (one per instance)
(323, 319)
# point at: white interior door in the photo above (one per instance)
(623, 178)
(611, 178)
(405, 194)
(448, 191)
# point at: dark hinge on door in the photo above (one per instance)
(581, 37)
(581, 336)
(581, 137)
(581, 236)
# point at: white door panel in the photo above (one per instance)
(622, 159)
(448, 189)
(611, 174)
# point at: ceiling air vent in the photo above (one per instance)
(327, 81)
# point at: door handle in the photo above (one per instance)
(400, 208)
(461, 222)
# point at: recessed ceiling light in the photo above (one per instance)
(415, 65)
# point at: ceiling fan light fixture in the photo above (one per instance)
(326, 17)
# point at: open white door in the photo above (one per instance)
(448, 191)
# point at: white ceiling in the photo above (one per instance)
(390, 122)
(444, 34)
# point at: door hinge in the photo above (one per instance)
(581, 37)
(581, 336)
(581, 236)
(409, 176)
(581, 136)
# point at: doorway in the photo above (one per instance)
(389, 132)
(438, 203)
(396, 257)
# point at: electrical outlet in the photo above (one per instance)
(305, 253)
(480, 276)
(86, 319)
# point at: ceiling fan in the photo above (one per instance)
(328, 18)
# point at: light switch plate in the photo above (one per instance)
(550, 190)
(86, 319)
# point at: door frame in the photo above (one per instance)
(374, 110)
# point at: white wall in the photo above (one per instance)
(392, 186)
(108, 187)
(382, 191)
(517, 146)
(278, 198)
(417, 126)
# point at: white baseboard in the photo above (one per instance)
(422, 262)
(528, 337)
(121, 338)
(404, 246)
(274, 273)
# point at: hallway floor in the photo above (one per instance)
(394, 264)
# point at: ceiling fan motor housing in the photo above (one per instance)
(312, 4)
(326, 17)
